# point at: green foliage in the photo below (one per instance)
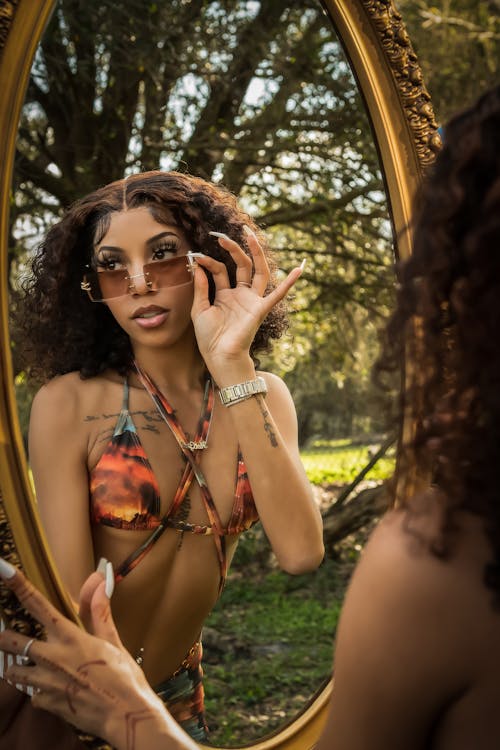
(281, 123)
(458, 46)
(282, 629)
(276, 630)
(341, 461)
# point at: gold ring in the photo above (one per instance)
(244, 283)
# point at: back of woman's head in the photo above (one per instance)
(61, 330)
(447, 320)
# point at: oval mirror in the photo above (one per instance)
(296, 122)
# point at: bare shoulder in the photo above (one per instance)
(439, 602)
(418, 633)
(65, 401)
(404, 552)
(57, 398)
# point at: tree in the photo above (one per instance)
(257, 96)
(458, 46)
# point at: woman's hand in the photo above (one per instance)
(90, 681)
(225, 330)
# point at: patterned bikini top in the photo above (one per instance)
(124, 491)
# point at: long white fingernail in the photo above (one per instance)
(101, 566)
(191, 258)
(219, 234)
(303, 264)
(110, 580)
(248, 231)
(7, 570)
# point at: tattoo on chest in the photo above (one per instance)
(145, 420)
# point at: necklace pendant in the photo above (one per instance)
(195, 445)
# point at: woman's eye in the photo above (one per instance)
(165, 250)
(107, 263)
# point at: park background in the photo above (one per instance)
(277, 118)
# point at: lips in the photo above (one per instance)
(150, 316)
(149, 311)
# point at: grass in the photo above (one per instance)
(268, 642)
(276, 650)
(338, 462)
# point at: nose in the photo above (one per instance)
(139, 283)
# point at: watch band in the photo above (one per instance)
(233, 394)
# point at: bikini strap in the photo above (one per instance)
(191, 452)
(191, 455)
(124, 421)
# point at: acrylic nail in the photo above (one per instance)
(101, 567)
(191, 258)
(7, 571)
(221, 235)
(110, 580)
(248, 231)
(303, 264)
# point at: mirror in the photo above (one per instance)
(388, 75)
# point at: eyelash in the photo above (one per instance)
(105, 262)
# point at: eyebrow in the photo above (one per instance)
(149, 242)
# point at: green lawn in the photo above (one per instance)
(272, 634)
(339, 461)
(276, 650)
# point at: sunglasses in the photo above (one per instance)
(105, 285)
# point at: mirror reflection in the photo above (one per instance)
(257, 97)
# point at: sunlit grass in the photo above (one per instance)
(339, 462)
(278, 629)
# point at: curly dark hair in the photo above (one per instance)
(61, 330)
(446, 324)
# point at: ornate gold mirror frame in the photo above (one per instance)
(399, 108)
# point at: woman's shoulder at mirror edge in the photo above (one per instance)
(417, 656)
(146, 310)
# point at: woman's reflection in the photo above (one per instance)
(153, 444)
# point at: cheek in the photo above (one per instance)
(182, 296)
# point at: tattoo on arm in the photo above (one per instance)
(267, 424)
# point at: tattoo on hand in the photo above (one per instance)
(75, 685)
(132, 719)
(267, 424)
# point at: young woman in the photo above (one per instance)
(155, 442)
(417, 654)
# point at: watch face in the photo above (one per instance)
(232, 394)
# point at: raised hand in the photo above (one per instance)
(225, 329)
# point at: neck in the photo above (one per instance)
(179, 368)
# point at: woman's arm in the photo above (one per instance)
(267, 434)
(58, 459)
(266, 428)
(92, 682)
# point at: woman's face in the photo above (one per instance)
(152, 304)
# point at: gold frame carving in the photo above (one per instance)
(375, 40)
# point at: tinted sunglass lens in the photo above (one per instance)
(113, 283)
(104, 285)
(170, 272)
